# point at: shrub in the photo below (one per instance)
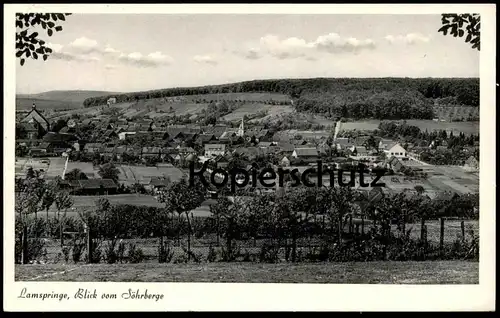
(165, 253)
(66, 250)
(230, 255)
(269, 253)
(120, 252)
(78, 248)
(135, 254)
(212, 254)
(110, 253)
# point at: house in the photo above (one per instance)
(60, 141)
(342, 143)
(126, 134)
(397, 151)
(214, 150)
(151, 152)
(384, 144)
(93, 148)
(110, 134)
(185, 151)
(37, 124)
(266, 144)
(203, 139)
(359, 151)
(285, 162)
(111, 101)
(305, 153)
(95, 187)
(394, 164)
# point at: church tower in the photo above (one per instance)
(241, 130)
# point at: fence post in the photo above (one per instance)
(25, 245)
(362, 224)
(351, 228)
(441, 236)
(89, 243)
(422, 229)
(462, 226)
(217, 229)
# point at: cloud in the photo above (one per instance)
(155, 59)
(334, 43)
(67, 56)
(207, 59)
(110, 66)
(410, 38)
(293, 47)
(109, 50)
(84, 45)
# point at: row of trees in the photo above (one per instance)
(280, 220)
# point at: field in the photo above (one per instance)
(82, 202)
(255, 97)
(445, 272)
(430, 125)
(132, 174)
(439, 178)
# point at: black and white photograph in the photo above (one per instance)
(306, 148)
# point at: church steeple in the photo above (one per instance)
(241, 130)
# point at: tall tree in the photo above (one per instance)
(182, 197)
(109, 171)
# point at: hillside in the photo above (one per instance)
(356, 98)
(57, 100)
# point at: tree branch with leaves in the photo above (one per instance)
(29, 44)
(460, 25)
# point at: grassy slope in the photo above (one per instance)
(446, 272)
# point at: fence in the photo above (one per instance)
(207, 238)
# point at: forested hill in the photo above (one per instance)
(346, 97)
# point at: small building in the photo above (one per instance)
(39, 124)
(397, 151)
(214, 150)
(126, 134)
(305, 153)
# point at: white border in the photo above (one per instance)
(287, 297)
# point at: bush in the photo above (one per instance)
(212, 254)
(120, 252)
(230, 255)
(66, 250)
(165, 253)
(78, 248)
(109, 252)
(135, 254)
(269, 253)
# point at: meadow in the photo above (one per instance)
(436, 272)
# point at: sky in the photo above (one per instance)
(126, 53)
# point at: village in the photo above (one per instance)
(149, 154)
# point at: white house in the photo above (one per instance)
(123, 135)
(396, 150)
(111, 100)
(214, 150)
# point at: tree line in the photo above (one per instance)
(465, 90)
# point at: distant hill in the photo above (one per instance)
(67, 96)
(57, 99)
